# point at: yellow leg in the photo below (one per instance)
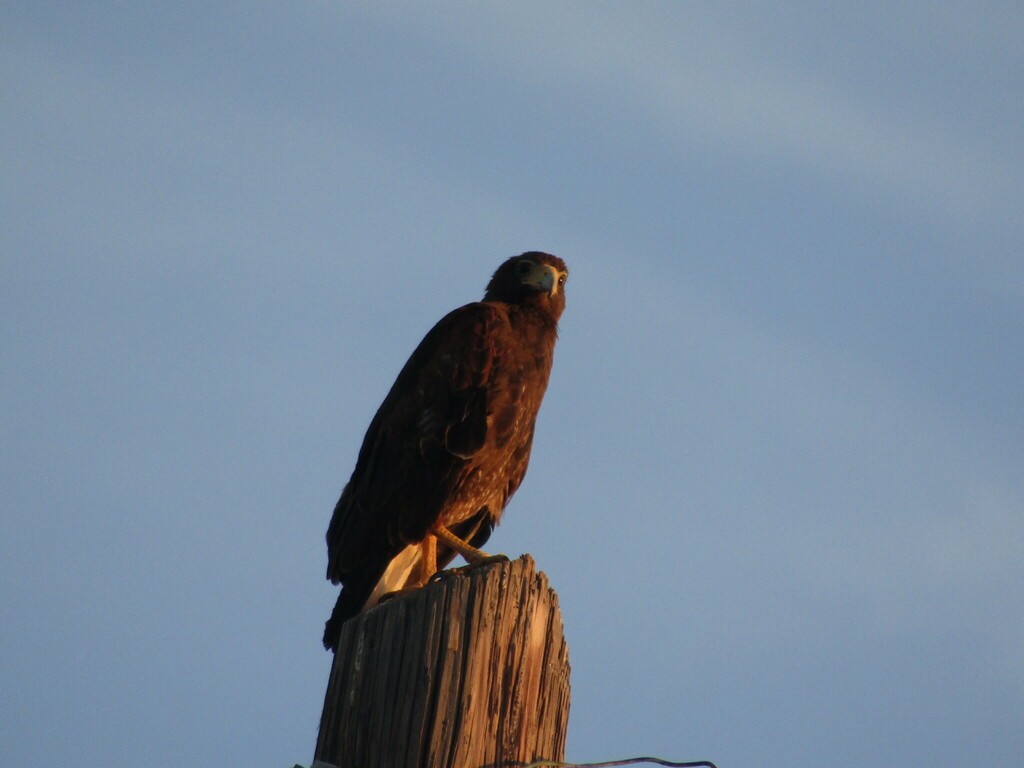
(428, 559)
(471, 554)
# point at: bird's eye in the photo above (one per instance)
(524, 266)
(561, 279)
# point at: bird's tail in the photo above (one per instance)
(364, 586)
(349, 604)
(357, 594)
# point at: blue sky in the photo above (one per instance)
(776, 481)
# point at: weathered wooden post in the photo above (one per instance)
(471, 671)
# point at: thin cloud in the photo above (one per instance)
(704, 80)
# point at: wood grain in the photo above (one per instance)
(468, 672)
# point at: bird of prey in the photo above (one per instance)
(450, 443)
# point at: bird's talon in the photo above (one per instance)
(498, 558)
(462, 570)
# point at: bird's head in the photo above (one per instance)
(531, 278)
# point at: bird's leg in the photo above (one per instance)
(475, 557)
(468, 551)
(425, 568)
(422, 572)
(428, 559)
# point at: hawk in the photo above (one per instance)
(450, 444)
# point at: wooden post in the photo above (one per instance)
(471, 671)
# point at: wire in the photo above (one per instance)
(628, 761)
(607, 764)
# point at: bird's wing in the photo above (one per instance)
(431, 424)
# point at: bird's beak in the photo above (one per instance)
(543, 278)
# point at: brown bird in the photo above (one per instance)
(450, 443)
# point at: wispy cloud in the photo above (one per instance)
(696, 75)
